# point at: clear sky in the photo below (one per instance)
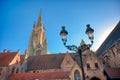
(18, 16)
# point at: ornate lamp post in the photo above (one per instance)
(81, 48)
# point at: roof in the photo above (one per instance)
(113, 72)
(110, 40)
(51, 61)
(22, 58)
(39, 76)
(6, 58)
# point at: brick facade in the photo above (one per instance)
(9, 63)
(111, 57)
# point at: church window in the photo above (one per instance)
(113, 53)
(76, 75)
(0, 70)
(88, 66)
(22, 69)
(17, 70)
(38, 52)
(96, 65)
(13, 69)
(39, 46)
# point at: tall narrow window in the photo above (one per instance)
(13, 69)
(0, 71)
(96, 65)
(76, 75)
(113, 52)
(17, 70)
(22, 69)
(88, 66)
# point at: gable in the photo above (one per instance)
(75, 68)
(67, 62)
(6, 58)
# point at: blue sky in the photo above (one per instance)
(18, 16)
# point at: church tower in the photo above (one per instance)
(38, 43)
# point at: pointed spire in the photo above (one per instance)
(40, 19)
(82, 43)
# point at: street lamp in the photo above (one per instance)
(82, 47)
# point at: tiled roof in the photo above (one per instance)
(113, 72)
(6, 58)
(51, 61)
(22, 58)
(39, 76)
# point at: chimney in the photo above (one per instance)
(4, 51)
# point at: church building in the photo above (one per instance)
(109, 54)
(38, 64)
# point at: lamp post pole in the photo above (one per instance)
(82, 47)
(81, 62)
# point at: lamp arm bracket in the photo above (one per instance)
(72, 47)
(89, 45)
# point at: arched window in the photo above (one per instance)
(13, 69)
(38, 52)
(96, 65)
(0, 71)
(88, 66)
(22, 69)
(17, 70)
(76, 75)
